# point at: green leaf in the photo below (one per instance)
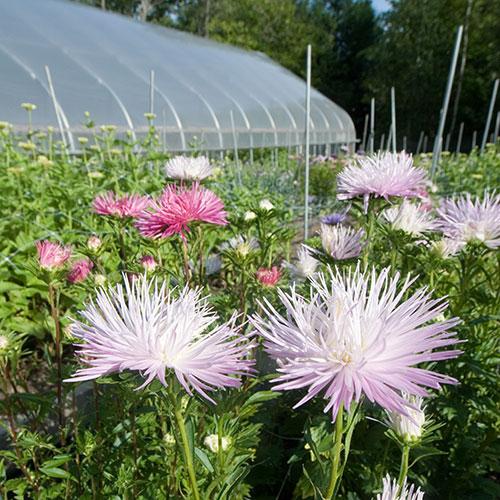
(203, 458)
(55, 472)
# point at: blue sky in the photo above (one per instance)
(380, 5)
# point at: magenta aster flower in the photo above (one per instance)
(52, 255)
(80, 270)
(177, 208)
(355, 336)
(341, 242)
(392, 491)
(268, 277)
(465, 220)
(382, 175)
(129, 205)
(141, 327)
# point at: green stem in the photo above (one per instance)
(179, 418)
(187, 273)
(403, 471)
(337, 448)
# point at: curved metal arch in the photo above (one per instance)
(271, 119)
(34, 76)
(99, 80)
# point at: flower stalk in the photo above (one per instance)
(336, 473)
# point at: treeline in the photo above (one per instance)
(358, 54)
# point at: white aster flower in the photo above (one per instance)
(188, 168)
(447, 247)
(212, 442)
(410, 218)
(341, 242)
(240, 244)
(409, 427)
(249, 215)
(391, 491)
(305, 266)
(266, 204)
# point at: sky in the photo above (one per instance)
(380, 5)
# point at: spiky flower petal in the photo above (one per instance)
(392, 491)
(128, 205)
(52, 255)
(382, 175)
(305, 266)
(188, 168)
(467, 220)
(410, 218)
(408, 426)
(177, 208)
(141, 326)
(80, 270)
(341, 242)
(356, 335)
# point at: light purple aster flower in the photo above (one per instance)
(142, 327)
(356, 335)
(465, 220)
(392, 491)
(382, 175)
(335, 217)
(410, 218)
(341, 242)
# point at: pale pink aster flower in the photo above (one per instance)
(140, 326)
(305, 265)
(94, 243)
(410, 218)
(52, 255)
(392, 491)
(382, 175)
(177, 208)
(128, 205)
(341, 242)
(356, 335)
(148, 262)
(409, 426)
(268, 277)
(466, 220)
(188, 168)
(80, 270)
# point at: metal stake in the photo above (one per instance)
(490, 114)
(372, 125)
(235, 145)
(420, 141)
(393, 119)
(460, 135)
(307, 118)
(444, 110)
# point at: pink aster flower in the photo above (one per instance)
(52, 255)
(268, 277)
(382, 175)
(392, 491)
(356, 335)
(148, 262)
(177, 208)
(465, 220)
(140, 326)
(341, 242)
(129, 205)
(80, 270)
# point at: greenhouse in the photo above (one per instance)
(69, 59)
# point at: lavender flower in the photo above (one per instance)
(382, 175)
(142, 327)
(342, 242)
(335, 217)
(356, 335)
(465, 220)
(410, 218)
(391, 491)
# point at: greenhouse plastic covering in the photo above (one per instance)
(73, 58)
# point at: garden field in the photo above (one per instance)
(167, 333)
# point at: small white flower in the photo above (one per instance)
(188, 168)
(410, 218)
(4, 342)
(341, 242)
(100, 279)
(242, 245)
(447, 247)
(169, 439)
(266, 204)
(94, 243)
(305, 266)
(249, 215)
(409, 427)
(212, 442)
(391, 491)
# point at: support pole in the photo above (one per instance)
(235, 146)
(497, 129)
(152, 92)
(420, 142)
(447, 143)
(389, 139)
(404, 143)
(56, 106)
(393, 119)
(382, 142)
(424, 147)
(446, 101)
(372, 125)
(365, 131)
(474, 139)
(307, 127)
(490, 114)
(460, 136)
